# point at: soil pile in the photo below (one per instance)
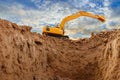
(26, 55)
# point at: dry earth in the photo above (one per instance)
(26, 55)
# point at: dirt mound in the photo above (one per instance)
(25, 55)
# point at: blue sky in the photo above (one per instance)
(38, 13)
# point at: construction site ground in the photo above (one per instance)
(26, 55)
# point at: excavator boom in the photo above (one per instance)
(81, 13)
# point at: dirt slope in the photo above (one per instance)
(30, 56)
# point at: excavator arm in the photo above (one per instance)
(81, 13)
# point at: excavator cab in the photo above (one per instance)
(53, 31)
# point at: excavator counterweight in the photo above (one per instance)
(58, 31)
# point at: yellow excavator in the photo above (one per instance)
(58, 31)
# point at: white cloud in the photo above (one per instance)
(52, 13)
(92, 5)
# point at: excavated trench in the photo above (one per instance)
(26, 55)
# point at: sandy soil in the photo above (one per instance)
(26, 55)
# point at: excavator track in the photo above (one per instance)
(56, 36)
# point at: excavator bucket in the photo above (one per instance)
(101, 18)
